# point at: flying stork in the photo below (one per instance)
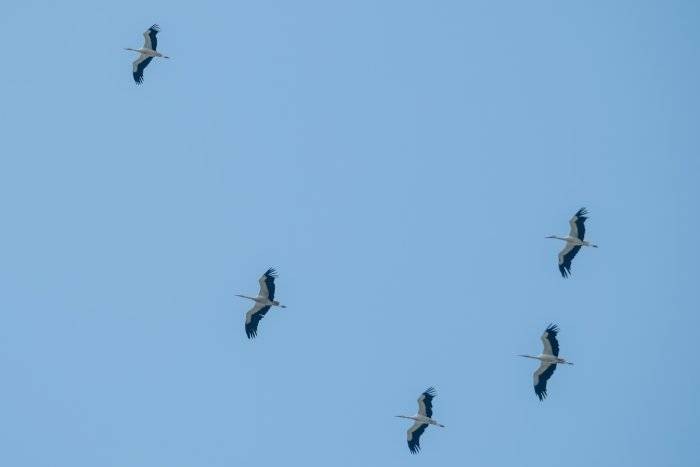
(549, 359)
(421, 420)
(148, 51)
(574, 241)
(263, 302)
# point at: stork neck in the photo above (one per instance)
(529, 356)
(245, 296)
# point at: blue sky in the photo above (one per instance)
(400, 163)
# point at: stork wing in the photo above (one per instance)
(425, 402)
(578, 229)
(413, 436)
(253, 317)
(140, 64)
(267, 284)
(549, 340)
(150, 41)
(540, 377)
(565, 257)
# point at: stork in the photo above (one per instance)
(421, 420)
(549, 359)
(574, 241)
(263, 302)
(147, 52)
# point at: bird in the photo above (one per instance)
(574, 241)
(421, 420)
(549, 359)
(147, 52)
(263, 302)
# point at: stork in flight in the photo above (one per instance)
(574, 241)
(263, 302)
(421, 420)
(148, 51)
(549, 359)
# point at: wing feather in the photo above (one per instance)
(549, 340)
(150, 41)
(425, 402)
(413, 436)
(267, 284)
(565, 257)
(540, 377)
(140, 64)
(578, 228)
(253, 317)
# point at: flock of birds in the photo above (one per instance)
(265, 300)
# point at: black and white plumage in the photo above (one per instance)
(263, 302)
(549, 359)
(574, 241)
(146, 53)
(421, 420)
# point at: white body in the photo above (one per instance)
(148, 52)
(574, 241)
(422, 419)
(548, 359)
(263, 301)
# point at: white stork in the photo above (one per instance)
(549, 358)
(421, 420)
(263, 302)
(574, 241)
(148, 51)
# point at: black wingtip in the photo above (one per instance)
(155, 28)
(430, 392)
(552, 329)
(271, 272)
(565, 273)
(582, 212)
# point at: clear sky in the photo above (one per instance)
(400, 163)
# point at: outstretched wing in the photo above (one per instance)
(565, 257)
(140, 64)
(578, 228)
(413, 436)
(540, 377)
(253, 317)
(425, 402)
(267, 284)
(150, 41)
(549, 340)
